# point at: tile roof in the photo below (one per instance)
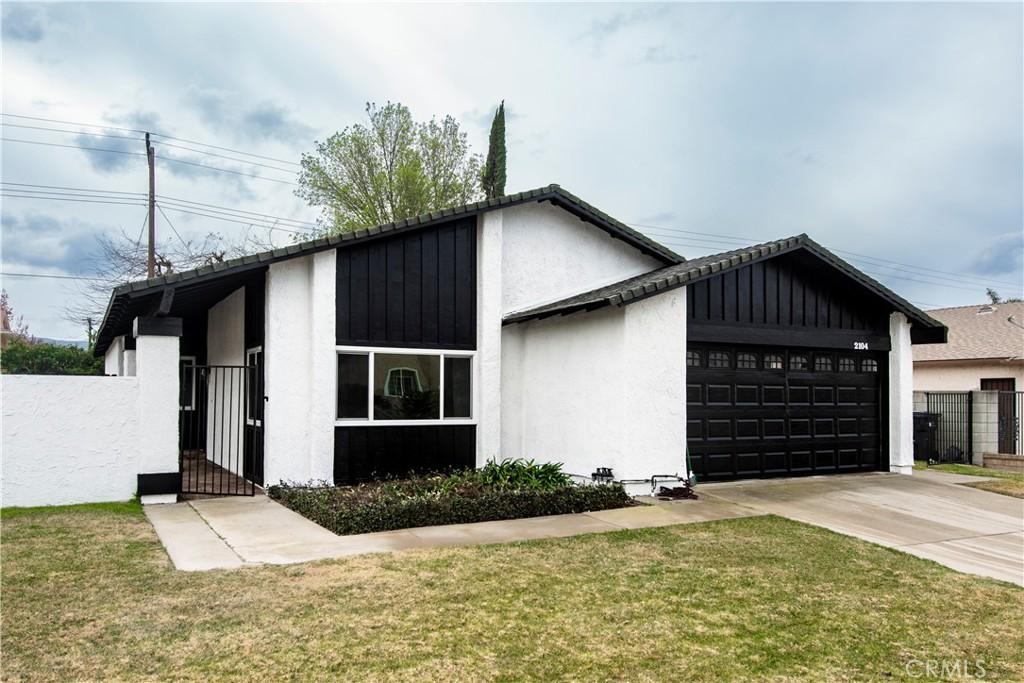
(670, 277)
(977, 332)
(113, 324)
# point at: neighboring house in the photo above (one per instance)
(985, 350)
(533, 326)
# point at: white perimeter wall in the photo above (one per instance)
(68, 439)
(548, 254)
(599, 389)
(225, 345)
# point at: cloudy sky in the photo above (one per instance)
(888, 132)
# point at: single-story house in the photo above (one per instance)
(532, 325)
(985, 350)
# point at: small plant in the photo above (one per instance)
(523, 475)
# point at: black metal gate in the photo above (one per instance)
(950, 422)
(220, 430)
(1009, 439)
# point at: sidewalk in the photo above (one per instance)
(232, 532)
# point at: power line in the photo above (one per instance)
(224, 156)
(62, 187)
(242, 211)
(56, 277)
(72, 132)
(69, 199)
(57, 144)
(226, 170)
(231, 220)
(174, 229)
(162, 135)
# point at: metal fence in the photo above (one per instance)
(1010, 406)
(220, 436)
(949, 418)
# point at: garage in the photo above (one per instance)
(759, 411)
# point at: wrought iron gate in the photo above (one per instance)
(952, 437)
(1009, 438)
(221, 429)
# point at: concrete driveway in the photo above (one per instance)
(925, 514)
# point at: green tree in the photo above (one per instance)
(24, 358)
(390, 169)
(493, 179)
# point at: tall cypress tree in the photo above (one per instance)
(492, 180)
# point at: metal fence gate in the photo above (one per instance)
(1009, 439)
(220, 429)
(950, 431)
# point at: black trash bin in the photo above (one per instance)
(926, 426)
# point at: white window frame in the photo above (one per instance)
(372, 352)
(192, 400)
(251, 420)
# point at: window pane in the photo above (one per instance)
(772, 361)
(406, 386)
(847, 365)
(823, 363)
(718, 359)
(353, 391)
(870, 365)
(693, 359)
(457, 385)
(797, 362)
(746, 361)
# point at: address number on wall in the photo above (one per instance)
(860, 346)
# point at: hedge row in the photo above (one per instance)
(357, 510)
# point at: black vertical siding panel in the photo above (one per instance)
(823, 308)
(700, 300)
(429, 292)
(395, 292)
(729, 297)
(744, 304)
(342, 296)
(771, 293)
(446, 286)
(378, 293)
(758, 293)
(785, 295)
(465, 283)
(797, 301)
(716, 304)
(359, 297)
(413, 323)
(362, 453)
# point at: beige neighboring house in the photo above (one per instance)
(985, 350)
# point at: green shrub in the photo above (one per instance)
(23, 358)
(525, 475)
(458, 498)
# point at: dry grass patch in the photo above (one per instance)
(1007, 487)
(1001, 481)
(88, 594)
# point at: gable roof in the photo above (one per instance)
(116, 319)
(668, 278)
(978, 332)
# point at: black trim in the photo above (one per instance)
(157, 327)
(801, 337)
(381, 451)
(159, 483)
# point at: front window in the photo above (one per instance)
(391, 385)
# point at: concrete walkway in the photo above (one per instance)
(927, 514)
(231, 532)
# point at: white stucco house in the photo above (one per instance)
(533, 326)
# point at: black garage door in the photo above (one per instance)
(767, 411)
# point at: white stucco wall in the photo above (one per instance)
(488, 380)
(901, 396)
(599, 389)
(225, 346)
(113, 359)
(548, 254)
(965, 375)
(300, 370)
(68, 439)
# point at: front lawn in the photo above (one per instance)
(1006, 483)
(89, 594)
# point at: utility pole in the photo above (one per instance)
(151, 254)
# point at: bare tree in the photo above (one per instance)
(119, 259)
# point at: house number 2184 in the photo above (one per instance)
(860, 346)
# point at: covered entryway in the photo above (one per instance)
(761, 411)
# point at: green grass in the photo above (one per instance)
(1007, 483)
(89, 594)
